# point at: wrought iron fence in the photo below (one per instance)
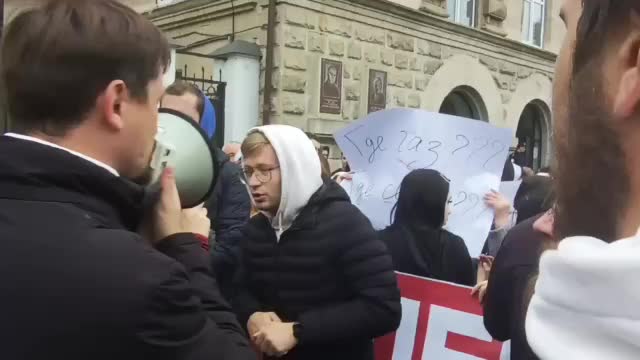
(214, 90)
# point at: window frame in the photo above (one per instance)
(456, 12)
(530, 39)
(163, 3)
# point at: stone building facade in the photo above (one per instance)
(491, 60)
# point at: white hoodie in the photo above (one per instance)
(587, 301)
(300, 170)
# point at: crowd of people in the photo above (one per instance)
(277, 262)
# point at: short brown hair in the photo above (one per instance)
(180, 88)
(57, 58)
(253, 143)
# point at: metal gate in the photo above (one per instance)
(214, 90)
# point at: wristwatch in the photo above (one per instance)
(297, 331)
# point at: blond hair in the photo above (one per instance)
(253, 143)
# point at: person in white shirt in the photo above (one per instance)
(586, 300)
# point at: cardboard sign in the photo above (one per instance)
(386, 145)
(440, 321)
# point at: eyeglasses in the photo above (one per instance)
(263, 175)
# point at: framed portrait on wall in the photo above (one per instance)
(325, 151)
(377, 91)
(331, 87)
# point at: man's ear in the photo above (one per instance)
(112, 102)
(627, 96)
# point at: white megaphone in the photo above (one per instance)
(182, 145)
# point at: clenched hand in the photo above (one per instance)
(276, 339)
(171, 219)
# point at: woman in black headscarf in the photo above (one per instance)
(416, 240)
(534, 197)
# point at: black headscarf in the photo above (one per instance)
(422, 200)
(534, 196)
(420, 216)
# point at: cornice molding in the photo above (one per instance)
(409, 21)
(197, 11)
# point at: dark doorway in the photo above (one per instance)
(530, 134)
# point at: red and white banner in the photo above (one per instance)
(440, 321)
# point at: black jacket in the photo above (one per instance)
(77, 283)
(505, 303)
(229, 208)
(446, 258)
(328, 272)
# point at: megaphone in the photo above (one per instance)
(182, 145)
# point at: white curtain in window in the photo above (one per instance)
(537, 16)
(462, 11)
(526, 22)
(451, 8)
(466, 12)
(533, 22)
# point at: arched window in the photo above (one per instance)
(465, 102)
(531, 134)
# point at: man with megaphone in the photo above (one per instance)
(83, 80)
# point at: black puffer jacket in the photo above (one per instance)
(79, 283)
(329, 272)
(229, 208)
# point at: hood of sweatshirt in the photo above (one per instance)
(300, 172)
(586, 302)
(208, 120)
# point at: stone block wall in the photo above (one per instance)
(411, 60)
(425, 57)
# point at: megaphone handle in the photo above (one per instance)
(151, 196)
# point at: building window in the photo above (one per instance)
(465, 102)
(533, 22)
(462, 11)
(530, 134)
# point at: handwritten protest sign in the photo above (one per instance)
(440, 321)
(386, 145)
(509, 189)
(347, 185)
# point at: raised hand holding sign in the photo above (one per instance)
(385, 146)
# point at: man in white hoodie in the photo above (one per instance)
(317, 282)
(587, 298)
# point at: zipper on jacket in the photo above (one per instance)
(279, 271)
